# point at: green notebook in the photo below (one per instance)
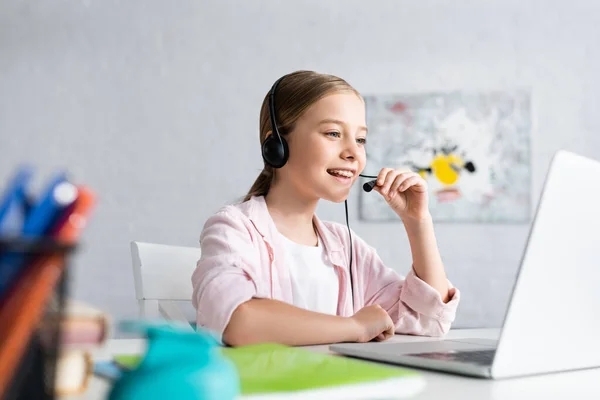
(269, 371)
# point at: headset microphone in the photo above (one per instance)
(367, 187)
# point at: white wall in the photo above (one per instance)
(155, 105)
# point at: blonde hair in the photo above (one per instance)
(295, 93)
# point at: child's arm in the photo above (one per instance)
(416, 307)
(407, 194)
(267, 320)
(427, 261)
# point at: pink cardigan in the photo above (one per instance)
(242, 257)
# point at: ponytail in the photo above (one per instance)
(262, 184)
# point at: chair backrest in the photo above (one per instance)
(163, 272)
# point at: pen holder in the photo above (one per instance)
(178, 364)
(30, 322)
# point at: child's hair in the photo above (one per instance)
(295, 93)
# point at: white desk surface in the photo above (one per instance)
(584, 384)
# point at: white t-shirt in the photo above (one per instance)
(315, 283)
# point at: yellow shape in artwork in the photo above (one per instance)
(446, 168)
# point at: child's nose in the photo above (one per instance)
(350, 150)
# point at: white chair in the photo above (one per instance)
(162, 276)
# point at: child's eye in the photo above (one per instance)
(361, 140)
(334, 133)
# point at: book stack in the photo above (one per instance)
(38, 234)
(83, 328)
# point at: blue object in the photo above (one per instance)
(108, 370)
(13, 204)
(13, 213)
(55, 198)
(178, 364)
(49, 207)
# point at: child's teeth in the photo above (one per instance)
(343, 173)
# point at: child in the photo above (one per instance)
(272, 271)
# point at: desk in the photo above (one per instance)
(583, 384)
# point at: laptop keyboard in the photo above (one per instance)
(479, 357)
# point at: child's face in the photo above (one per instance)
(329, 136)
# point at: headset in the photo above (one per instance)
(275, 153)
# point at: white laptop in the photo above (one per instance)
(553, 318)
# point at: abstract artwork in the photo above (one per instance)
(473, 149)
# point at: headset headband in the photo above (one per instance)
(272, 108)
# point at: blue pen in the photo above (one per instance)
(57, 196)
(13, 204)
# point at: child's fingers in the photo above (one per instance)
(382, 177)
(411, 181)
(389, 180)
(400, 179)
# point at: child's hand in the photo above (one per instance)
(373, 322)
(405, 192)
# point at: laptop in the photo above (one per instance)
(552, 322)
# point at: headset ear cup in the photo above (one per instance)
(286, 151)
(274, 152)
